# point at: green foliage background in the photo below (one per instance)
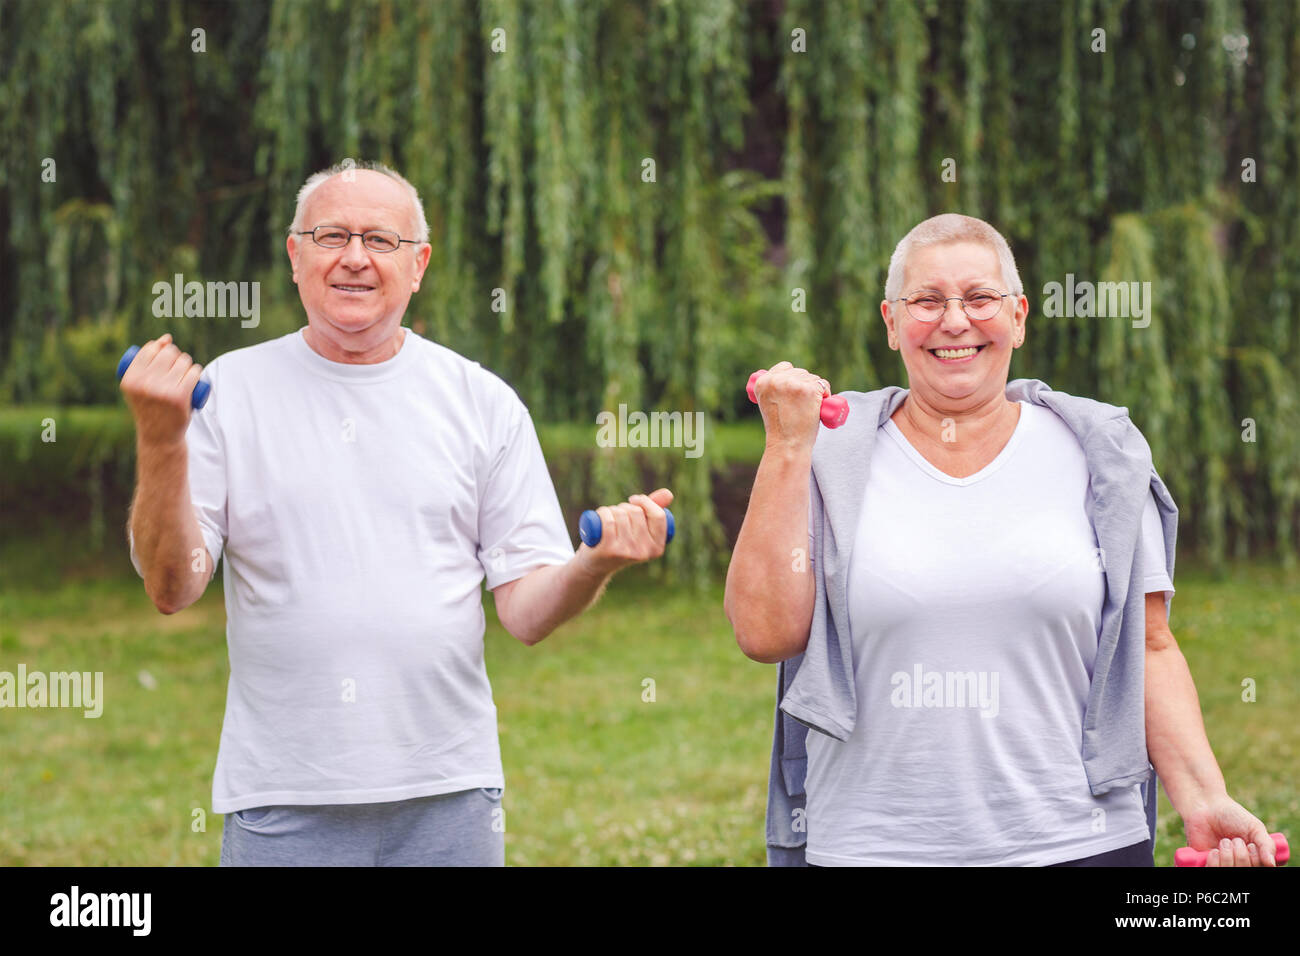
(775, 171)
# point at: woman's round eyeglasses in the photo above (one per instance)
(929, 305)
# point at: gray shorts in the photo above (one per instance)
(466, 828)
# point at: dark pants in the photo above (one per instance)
(1139, 854)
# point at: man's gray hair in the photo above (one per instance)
(348, 165)
(952, 227)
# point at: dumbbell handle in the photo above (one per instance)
(201, 390)
(835, 408)
(589, 527)
(1189, 857)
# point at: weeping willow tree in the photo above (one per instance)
(1123, 165)
(637, 202)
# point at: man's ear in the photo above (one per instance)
(291, 246)
(421, 263)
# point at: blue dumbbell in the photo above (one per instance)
(589, 527)
(201, 390)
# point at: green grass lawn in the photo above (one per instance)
(594, 774)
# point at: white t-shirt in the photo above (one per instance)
(974, 609)
(359, 509)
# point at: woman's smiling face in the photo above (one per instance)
(954, 269)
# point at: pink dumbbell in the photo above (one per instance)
(835, 408)
(1189, 857)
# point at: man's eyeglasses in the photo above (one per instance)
(336, 237)
(929, 305)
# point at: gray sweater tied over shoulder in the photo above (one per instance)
(816, 689)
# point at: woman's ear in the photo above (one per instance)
(889, 323)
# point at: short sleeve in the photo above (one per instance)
(520, 524)
(205, 444)
(1155, 573)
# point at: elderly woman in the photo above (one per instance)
(967, 588)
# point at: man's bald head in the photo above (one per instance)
(371, 175)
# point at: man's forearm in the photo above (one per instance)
(545, 598)
(164, 528)
(1176, 740)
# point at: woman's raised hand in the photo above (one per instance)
(790, 400)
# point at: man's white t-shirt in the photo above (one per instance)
(975, 609)
(359, 509)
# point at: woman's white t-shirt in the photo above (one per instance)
(974, 608)
(359, 509)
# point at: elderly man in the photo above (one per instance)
(361, 481)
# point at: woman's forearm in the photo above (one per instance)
(770, 589)
(1176, 741)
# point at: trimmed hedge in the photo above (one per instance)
(82, 480)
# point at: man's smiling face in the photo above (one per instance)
(355, 298)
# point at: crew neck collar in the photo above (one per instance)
(346, 372)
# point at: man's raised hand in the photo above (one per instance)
(158, 387)
(631, 532)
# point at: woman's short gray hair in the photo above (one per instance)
(952, 227)
(348, 165)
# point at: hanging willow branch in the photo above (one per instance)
(601, 164)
